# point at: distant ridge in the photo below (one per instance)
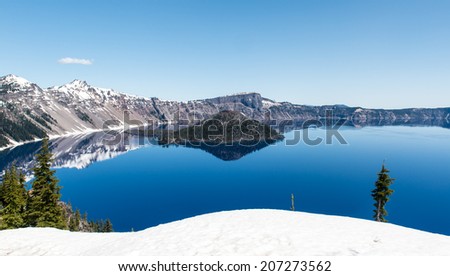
(29, 112)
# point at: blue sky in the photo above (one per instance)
(372, 53)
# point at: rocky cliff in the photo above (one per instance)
(28, 111)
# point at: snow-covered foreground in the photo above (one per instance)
(243, 232)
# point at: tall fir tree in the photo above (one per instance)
(77, 219)
(1, 191)
(292, 202)
(72, 224)
(14, 199)
(74, 221)
(93, 226)
(381, 194)
(43, 208)
(4, 178)
(108, 227)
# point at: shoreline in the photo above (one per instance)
(56, 136)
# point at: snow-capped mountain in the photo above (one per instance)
(31, 112)
(13, 84)
(28, 112)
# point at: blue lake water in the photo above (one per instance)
(151, 185)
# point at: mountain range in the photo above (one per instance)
(28, 112)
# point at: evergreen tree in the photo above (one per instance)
(2, 187)
(1, 191)
(77, 220)
(93, 226)
(74, 221)
(43, 208)
(292, 202)
(381, 194)
(108, 227)
(14, 199)
(72, 225)
(101, 226)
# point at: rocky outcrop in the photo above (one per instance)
(224, 127)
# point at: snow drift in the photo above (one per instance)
(243, 232)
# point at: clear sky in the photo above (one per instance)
(371, 53)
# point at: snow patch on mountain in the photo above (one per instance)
(15, 79)
(269, 103)
(12, 84)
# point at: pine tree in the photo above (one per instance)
(74, 221)
(1, 191)
(93, 226)
(2, 187)
(381, 194)
(72, 225)
(108, 227)
(292, 202)
(14, 199)
(77, 219)
(101, 226)
(43, 208)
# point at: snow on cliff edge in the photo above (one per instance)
(243, 232)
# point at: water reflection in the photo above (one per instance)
(77, 151)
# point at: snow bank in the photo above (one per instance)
(243, 232)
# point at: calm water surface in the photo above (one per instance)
(152, 184)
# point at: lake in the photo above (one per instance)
(142, 185)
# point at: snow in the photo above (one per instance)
(75, 87)
(243, 232)
(82, 91)
(268, 104)
(76, 84)
(84, 95)
(243, 93)
(85, 159)
(13, 78)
